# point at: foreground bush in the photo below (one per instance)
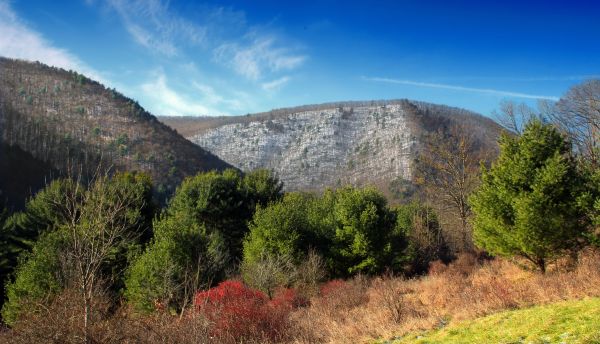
(57, 321)
(239, 313)
(274, 272)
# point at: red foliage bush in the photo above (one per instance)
(237, 311)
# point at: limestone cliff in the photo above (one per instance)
(327, 145)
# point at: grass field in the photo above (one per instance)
(569, 322)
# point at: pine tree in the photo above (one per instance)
(528, 203)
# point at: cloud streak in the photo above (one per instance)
(153, 26)
(276, 84)
(579, 77)
(256, 57)
(166, 101)
(462, 88)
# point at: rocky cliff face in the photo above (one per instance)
(320, 148)
(328, 145)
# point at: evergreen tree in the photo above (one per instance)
(43, 213)
(280, 229)
(590, 201)
(77, 237)
(362, 241)
(198, 237)
(352, 229)
(528, 203)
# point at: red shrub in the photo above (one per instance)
(237, 311)
(231, 296)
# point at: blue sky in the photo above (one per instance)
(237, 57)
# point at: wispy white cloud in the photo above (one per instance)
(578, 77)
(164, 100)
(18, 40)
(258, 55)
(164, 97)
(221, 32)
(462, 88)
(152, 25)
(146, 39)
(276, 84)
(209, 96)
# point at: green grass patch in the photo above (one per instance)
(569, 322)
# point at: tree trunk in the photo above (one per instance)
(86, 320)
(541, 263)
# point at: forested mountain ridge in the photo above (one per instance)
(333, 144)
(64, 119)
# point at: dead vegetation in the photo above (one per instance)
(352, 311)
(468, 288)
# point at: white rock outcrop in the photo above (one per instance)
(323, 148)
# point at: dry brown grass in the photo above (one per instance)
(60, 321)
(354, 311)
(466, 289)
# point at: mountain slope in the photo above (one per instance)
(71, 122)
(20, 175)
(326, 145)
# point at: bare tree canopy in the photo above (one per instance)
(577, 114)
(448, 168)
(513, 116)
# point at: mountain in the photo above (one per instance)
(327, 145)
(61, 121)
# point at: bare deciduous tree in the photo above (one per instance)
(100, 221)
(513, 116)
(269, 273)
(448, 168)
(577, 114)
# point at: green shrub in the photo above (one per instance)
(198, 236)
(66, 210)
(37, 276)
(352, 229)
